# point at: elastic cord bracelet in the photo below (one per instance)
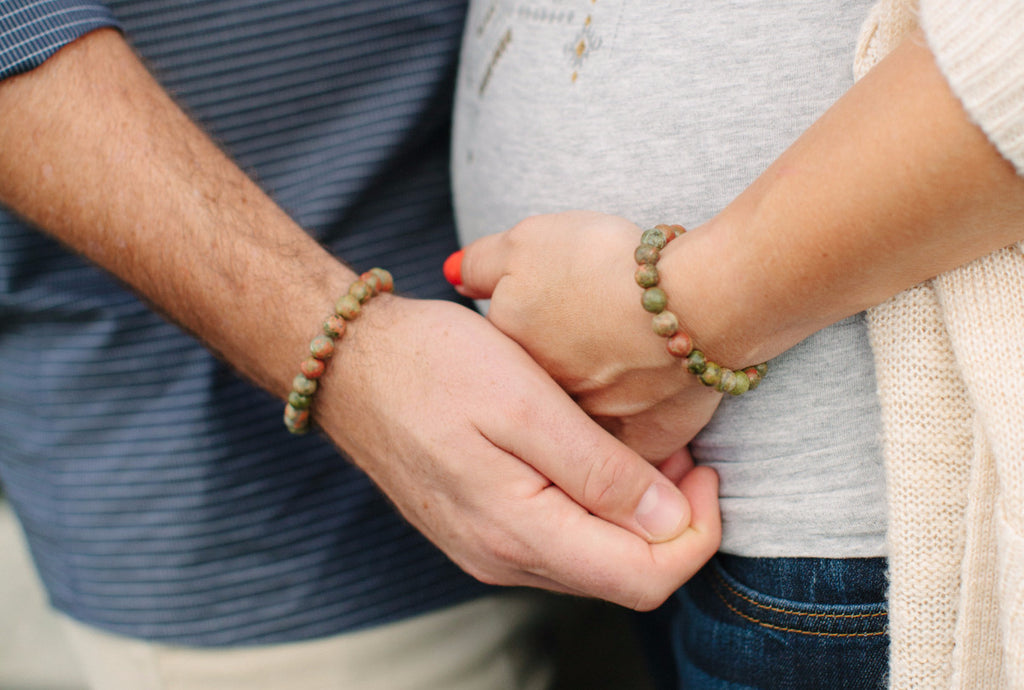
(666, 324)
(297, 410)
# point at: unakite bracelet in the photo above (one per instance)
(666, 324)
(304, 386)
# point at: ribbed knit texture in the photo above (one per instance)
(928, 449)
(160, 493)
(983, 309)
(954, 433)
(979, 46)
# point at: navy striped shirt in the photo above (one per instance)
(160, 494)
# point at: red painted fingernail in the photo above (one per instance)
(453, 268)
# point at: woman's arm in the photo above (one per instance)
(893, 185)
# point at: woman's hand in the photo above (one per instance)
(562, 286)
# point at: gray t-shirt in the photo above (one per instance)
(663, 111)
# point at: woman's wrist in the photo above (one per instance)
(853, 212)
(706, 279)
(665, 322)
(742, 295)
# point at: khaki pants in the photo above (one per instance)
(488, 644)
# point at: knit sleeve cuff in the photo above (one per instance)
(33, 30)
(979, 46)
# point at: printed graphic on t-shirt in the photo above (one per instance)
(572, 30)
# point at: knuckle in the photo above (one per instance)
(605, 482)
(525, 234)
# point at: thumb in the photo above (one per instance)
(597, 471)
(476, 269)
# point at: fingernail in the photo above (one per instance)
(453, 268)
(661, 512)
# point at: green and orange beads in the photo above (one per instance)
(321, 348)
(666, 324)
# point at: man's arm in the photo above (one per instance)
(97, 154)
(461, 429)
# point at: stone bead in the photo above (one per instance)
(647, 276)
(297, 430)
(646, 254)
(347, 307)
(334, 326)
(313, 368)
(295, 415)
(671, 231)
(762, 369)
(654, 300)
(753, 377)
(361, 291)
(295, 420)
(321, 347)
(727, 381)
(299, 401)
(679, 345)
(712, 375)
(653, 237)
(741, 384)
(387, 283)
(372, 280)
(303, 385)
(665, 324)
(695, 362)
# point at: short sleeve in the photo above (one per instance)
(979, 46)
(33, 30)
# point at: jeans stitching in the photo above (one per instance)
(720, 581)
(792, 612)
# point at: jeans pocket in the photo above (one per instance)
(816, 604)
(782, 623)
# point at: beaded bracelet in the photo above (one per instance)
(666, 324)
(304, 386)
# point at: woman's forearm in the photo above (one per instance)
(892, 186)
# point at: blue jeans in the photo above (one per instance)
(774, 623)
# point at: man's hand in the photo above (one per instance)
(459, 427)
(562, 286)
(483, 453)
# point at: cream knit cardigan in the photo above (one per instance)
(950, 361)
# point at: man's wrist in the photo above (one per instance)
(347, 309)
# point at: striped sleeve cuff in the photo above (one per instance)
(979, 46)
(33, 30)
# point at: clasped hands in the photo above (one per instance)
(560, 285)
(510, 473)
